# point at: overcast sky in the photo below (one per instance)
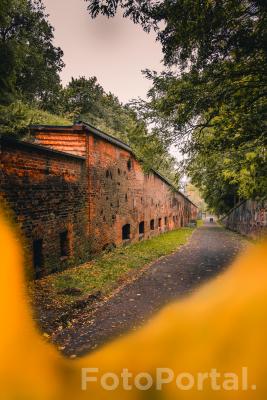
(114, 50)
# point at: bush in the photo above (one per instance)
(16, 118)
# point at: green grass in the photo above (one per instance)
(109, 268)
(17, 117)
(45, 118)
(200, 222)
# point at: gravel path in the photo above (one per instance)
(209, 251)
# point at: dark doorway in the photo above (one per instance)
(38, 259)
(141, 228)
(152, 224)
(64, 244)
(160, 222)
(126, 230)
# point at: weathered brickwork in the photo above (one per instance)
(48, 193)
(248, 218)
(95, 197)
(121, 194)
(67, 139)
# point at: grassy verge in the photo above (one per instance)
(108, 270)
(200, 222)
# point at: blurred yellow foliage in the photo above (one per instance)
(222, 326)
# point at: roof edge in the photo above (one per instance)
(105, 136)
(38, 147)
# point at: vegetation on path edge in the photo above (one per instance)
(109, 269)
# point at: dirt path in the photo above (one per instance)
(210, 249)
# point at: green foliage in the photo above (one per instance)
(82, 96)
(85, 99)
(206, 171)
(138, 10)
(29, 63)
(151, 150)
(16, 118)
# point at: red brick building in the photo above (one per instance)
(77, 191)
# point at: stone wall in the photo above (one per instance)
(248, 218)
(47, 191)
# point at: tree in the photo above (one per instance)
(82, 96)
(227, 176)
(30, 63)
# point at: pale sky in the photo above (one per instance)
(114, 50)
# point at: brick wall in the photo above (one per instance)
(248, 218)
(120, 193)
(47, 191)
(67, 139)
(72, 205)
